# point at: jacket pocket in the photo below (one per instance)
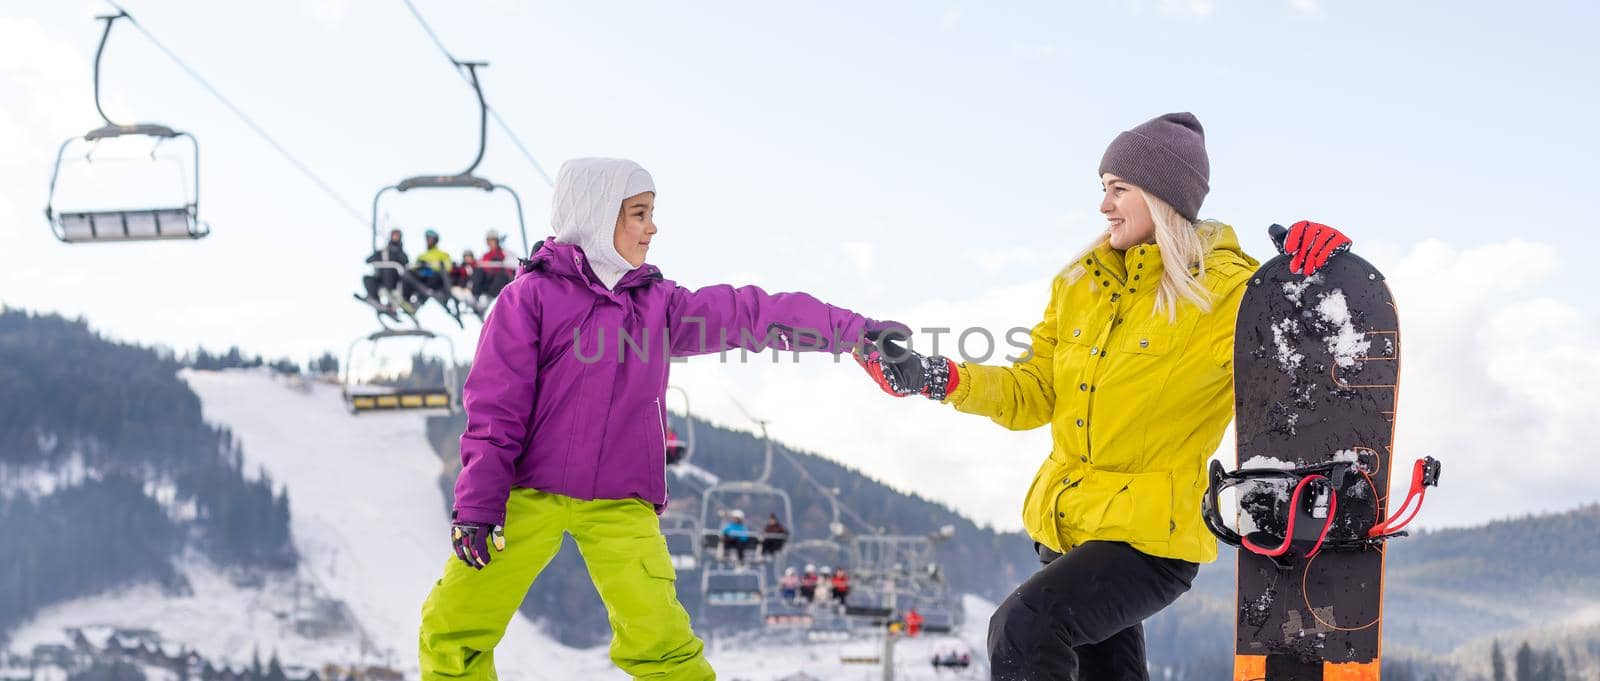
(1148, 342)
(1133, 507)
(1038, 514)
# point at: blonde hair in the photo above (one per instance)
(1183, 245)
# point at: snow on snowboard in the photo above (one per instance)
(1316, 372)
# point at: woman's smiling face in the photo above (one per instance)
(1127, 215)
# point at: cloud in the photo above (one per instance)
(860, 253)
(1032, 51)
(1500, 380)
(948, 20)
(330, 14)
(1198, 8)
(1310, 8)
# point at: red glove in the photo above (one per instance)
(1311, 244)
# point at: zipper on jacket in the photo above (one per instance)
(662, 421)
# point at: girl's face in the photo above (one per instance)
(1126, 212)
(636, 226)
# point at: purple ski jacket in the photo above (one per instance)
(566, 390)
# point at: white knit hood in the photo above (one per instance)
(583, 212)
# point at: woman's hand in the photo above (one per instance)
(1311, 244)
(900, 371)
(472, 540)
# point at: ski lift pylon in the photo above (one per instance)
(163, 221)
(680, 450)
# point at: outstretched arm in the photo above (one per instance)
(722, 317)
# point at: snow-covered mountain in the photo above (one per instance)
(368, 522)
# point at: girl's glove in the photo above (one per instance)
(472, 540)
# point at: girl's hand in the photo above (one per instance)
(472, 540)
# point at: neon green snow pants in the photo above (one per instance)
(621, 543)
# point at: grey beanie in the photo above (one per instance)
(1165, 156)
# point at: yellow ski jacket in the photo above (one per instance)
(435, 259)
(1136, 402)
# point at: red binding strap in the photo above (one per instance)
(1288, 533)
(1417, 492)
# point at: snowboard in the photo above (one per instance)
(1316, 371)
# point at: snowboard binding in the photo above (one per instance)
(1298, 512)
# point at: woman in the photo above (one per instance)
(1132, 368)
(566, 433)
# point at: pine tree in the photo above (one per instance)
(1498, 660)
(1525, 663)
(275, 669)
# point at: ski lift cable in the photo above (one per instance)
(248, 121)
(807, 474)
(493, 113)
(827, 492)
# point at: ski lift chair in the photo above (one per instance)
(179, 219)
(733, 587)
(462, 180)
(680, 531)
(361, 397)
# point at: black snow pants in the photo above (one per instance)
(386, 278)
(1080, 616)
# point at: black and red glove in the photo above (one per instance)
(472, 541)
(1311, 244)
(900, 371)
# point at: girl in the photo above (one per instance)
(566, 433)
(1132, 369)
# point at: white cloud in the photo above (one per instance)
(951, 16)
(860, 254)
(1032, 51)
(1501, 380)
(1198, 8)
(328, 13)
(1310, 8)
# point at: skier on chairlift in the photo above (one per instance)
(789, 585)
(466, 277)
(808, 584)
(736, 536)
(773, 536)
(383, 284)
(497, 271)
(431, 272)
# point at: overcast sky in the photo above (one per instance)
(928, 162)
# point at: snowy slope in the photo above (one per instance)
(368, 520)
(368, 517)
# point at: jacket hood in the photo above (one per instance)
(584, 208)
(1226, 247)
